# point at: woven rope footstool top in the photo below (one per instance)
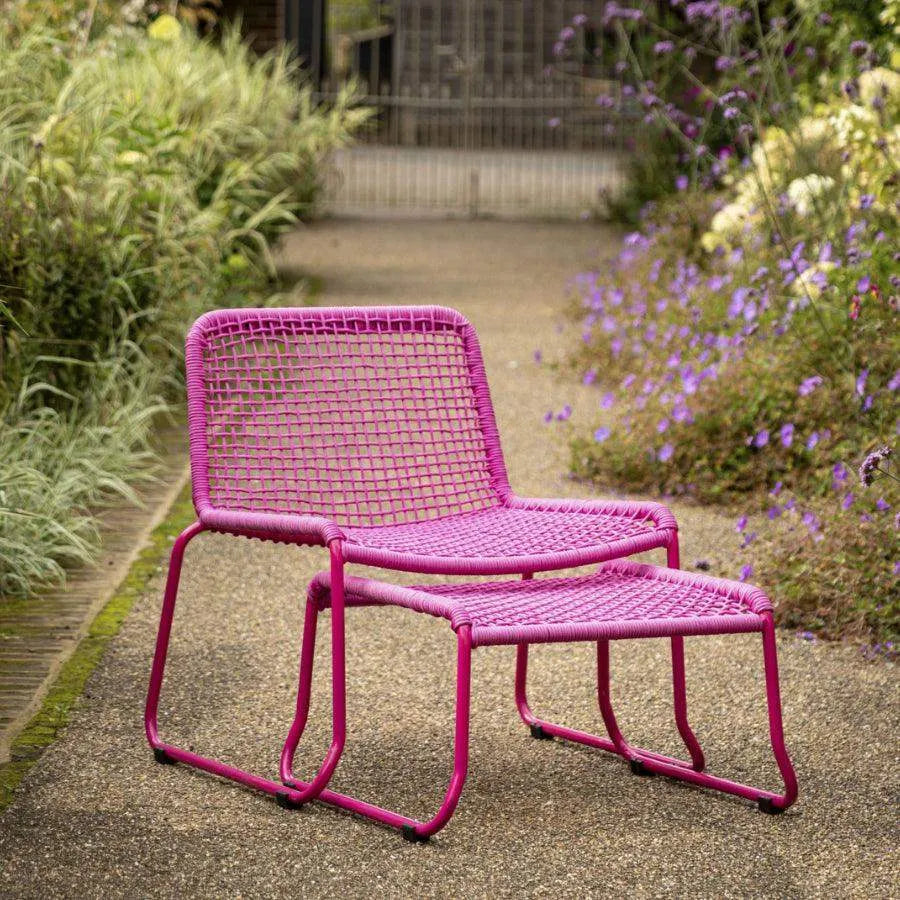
(620, 600)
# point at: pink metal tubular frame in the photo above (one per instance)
(309, 427)
(169, 753)
(648, 762)
(503, 624)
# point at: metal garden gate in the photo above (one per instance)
(474, 115)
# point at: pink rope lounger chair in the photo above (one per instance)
(370, 431)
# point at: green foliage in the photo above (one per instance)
(750, 340)
(143, 182)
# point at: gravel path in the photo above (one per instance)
(97, 817)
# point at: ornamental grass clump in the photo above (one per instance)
(747, 333)
(143, 180)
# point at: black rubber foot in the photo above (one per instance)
(283, 799)
(538, 733)
(162, 757)
(766, 805)
(638, 768)
(410, 834)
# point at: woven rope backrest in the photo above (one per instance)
(366, 416)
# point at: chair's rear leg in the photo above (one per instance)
(679, 687)
(541, 728)
(776, 725)
(679, 691)
(304, 689)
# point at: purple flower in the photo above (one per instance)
(872, 464)
(776, 490)
(761, 438)
(662, 47)
(806, 636)
(681, 182)
(601, 434)
(724, 63)
(812, 440)
(538, 356)
(847, 502)
(555, 122)
(741, 524)
(564, 413)
(839, 474)
(894, 383)
(589, 377)
(745, 573)
(787, 434)
(662, 425)
(866, 201)
(811, 521)
(731, 112)
(808, 385)
(748, 539)
(773, 512)
(882, 505)
(665, 452)
(738, 299)
(861, 380)
(859, 48)
(863, 284)
(548, 416)
(608, 401)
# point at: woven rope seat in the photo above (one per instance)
(502, 540)
(621, 600)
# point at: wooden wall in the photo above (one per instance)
(263, 21)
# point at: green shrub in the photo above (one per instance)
(747, 343)
(143, 182)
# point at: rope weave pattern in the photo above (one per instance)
(622, 599)
(363, 416)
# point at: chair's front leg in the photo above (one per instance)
(312, 789)
(176, 560)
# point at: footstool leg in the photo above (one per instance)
(767, 801)
(413, 829)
